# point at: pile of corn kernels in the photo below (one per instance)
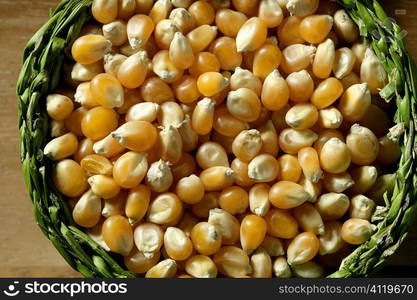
(240, 138)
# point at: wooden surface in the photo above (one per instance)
(24, 251)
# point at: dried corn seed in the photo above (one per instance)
(251, 35)
(281, 268)
(337, 183)
(87, 210)
(263, 168)
(118, 235)
(130, 169)
(165, 208)
(259, 199)
(302, 248)
(361, 207)
(232, 262)
(345, 28)
(356, 231)
(332, 206)
(275, 91)
(363, 145)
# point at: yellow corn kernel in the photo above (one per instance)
(190, 189)
(164, 33)
(292, 140)
(204, 62)
(177, 245)
(138, 263)
(201, 37)
(217, 178)
(159, 177)
(252, 232)
(61, 147)
(281, 268)
(248, 7)
(103, 186)
(343, 63)
(335, 156)
(107, 91)
(376, 120)
(186, 90)
(144, 6)
(302, 116)
(89, 49)
(350, 80)
(160, 10)
(164, 269)
(361, 207)
(130, 169)
(84, 96)
(180, 51)
(156, 90)
(314, 189)
(303, 248)
(234, 200)
(266, 59)
(165, 68)
(112, 62)
(315, 28)
(133, 70)
(356, 231)
(261, 264)
(247, 145)
(301, 86)
(363, 145)
(201, 266)
(308, 270)
(202, 12)
(225, 50)
(245, 79)
(364, 178)
(227, 225)
(185, 167)
(270, 12)
(114, 206)
(107, 147)
(310, 164)
(326, 135)
(244, 104)
(126, 8)
(372, 72)
(139, 29)
(229, 21)
(240, 170)
(118, 235)
(289, 167)
(183, 19)
(259, 199)
(85, 147)
(145, 111)
(389, 151)
(69, 178)
(263, 168)
(275, 92)
(203, 115)
(137, 203)
(287, 194)
(104, 11)
(332, 206)
(96, 164)
(345, 28)
(269, 139)
(273, 246)
(281, 224)
(211, 83)
(57, 128)
(232, 262)
(188, 135)
(297, 57)
(288, 33)
(87, 210)
(326, 93)
(359, 49)
(59, 107)
(330, 118)
(309, 218)
(226, 124)
(338, 183)
(170, 143)
(211, 154)
(137, 136)
(302, 7)
(149, 239)
(324, 59)
(251, 35)
(99, 122)
(166, 208)
(331, 239)
(116, 33)
(206, 238)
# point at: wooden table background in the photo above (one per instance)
(24, 251)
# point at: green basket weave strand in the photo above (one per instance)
(41, 73)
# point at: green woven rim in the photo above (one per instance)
(40, 75)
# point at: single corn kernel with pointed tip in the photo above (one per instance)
(335, 156)
(104, 11)
(229, 21)
(149, 239)
(364, 178)
(59, 107)
(372, 72)
(251, 35)
(137, 262)
(343, 63)
(242, 78)
(137, 136)
(133, 70)
(170, 143)
(201, 37)
(252, 232)
(324, 59)
(190, 189)
(331, 239)
(89, 49)
(263, 168)
(160, 10)
(270, 12)
(234, 200)
(112, 62)
(261, 264)
(186, 90)
(315, 28)
(325, 135)
(163, 66)
(211, 83)
(84, 96)
(130, 169)
(115, 32)
(170, 114)
(290, 169)
(103, 186)
(165, 208)
(144, 111)
(114, 206)
(310, 164)
(327, 92)
(281, 224)
(345, 28)
(182, 19)
(389, 151)
(303, 248)
(118, 235)
(309, 218)
(266, 59)
(87, 210)
(302, 7)
(287, 195)
(357, 231)
(73, 121)
(180, 52)
(226, 124)
(332, 206)
(202, 12)
(363, 145)
(159, 177)
(107, 147)
(217, 178)
(301, 86)
(211, 154)
(206, 238)
(99, 122)
(337, 183)
(164, 33)
(203, 116)
(259, 199)
(244, 104)
(61, 147)
(297, 57)
(232, 262)
(227, 225)
(164, 269)
(225, 50)
(69, 178)
(361, 207)
(139, 29)
(330, 118)
(201, 266)
(177, 245)
(281, 268)
(137, 203)
(107, 91)
(275, 92)
(288, 33)
(302, 116)
(292, 140)
(247, 145)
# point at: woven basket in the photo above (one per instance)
(44, 56)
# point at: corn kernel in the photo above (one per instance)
(217, 178)
(137, 136)
(130, 169)
(87, 210)
(160, 10)
(361, 207)
(288, 33)
(164, 269)
(69, 178)
(363, 145)
(372, 72)
(389, 151)
(89, 49)
(163, 66)
(302, 248)
(326, 93)
(118, 235)
(281, 224)
(302, 7)
(297, 57)
(301, 86)
(104, 11)
(107, 91)
(232, 262)
(138, 263)
(330, 118)
(345, 28)
(275, 91)
(206, 237)
(61, 147)
(201, 266)
(315, 28)
(251, 35)
(332, 206)
(227, 225)
(335, 156)
(229, 21)
(324, 59)
(201, 37)
(281, 268)
(356, 231)
(309, 218)
(292, 140)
